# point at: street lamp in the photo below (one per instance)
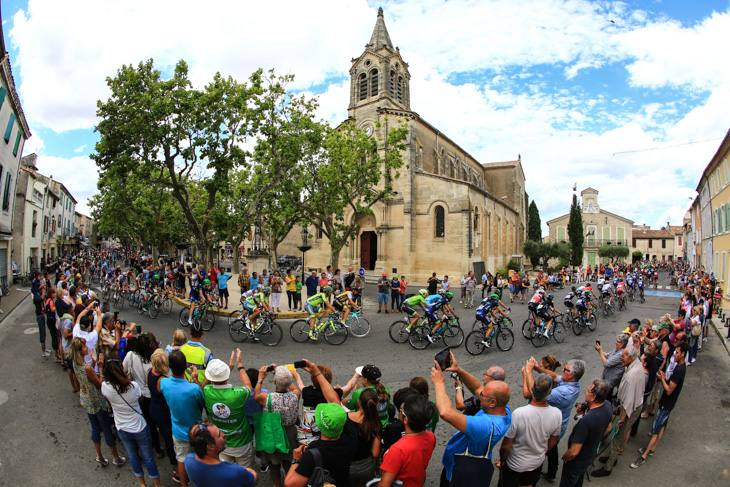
(304, 247)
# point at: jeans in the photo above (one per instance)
(395, 300)
(290, 297)
(144, 402)
(693, 341)
(101, 421)
(41, 320)
(53, 331)
(139, 445)
(358, 299)
(552, 461)
(572, 477)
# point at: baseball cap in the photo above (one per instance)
(370, 372)
(330, 419)
(217, 371)
(385, 274)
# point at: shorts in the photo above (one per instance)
(431, 315)
(660, 421)
(69, 363)
(482, 317)
(513, 289)
(249, 307)
(311, 310)
(409, 311)
(243, 455)
(194, 299)
(511, 478)
(223, 293)
(340, 307)
(568, 304)
(383, 298)
(581, 306)
(523, 291)
(182, 448)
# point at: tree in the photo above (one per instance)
(534, 230)
(344, 177)
(191, 141)
(613, 252)
(636, 256)
(575, 232)
(540, 253)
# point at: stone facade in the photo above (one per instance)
(450, 213)
(600, 228)
(653, 244)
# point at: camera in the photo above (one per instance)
(454, 375)
(270, 368)
(300, 364)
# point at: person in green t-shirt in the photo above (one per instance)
(226, 406)
(369, 377)
(298, 295)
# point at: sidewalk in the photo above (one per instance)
(11, 301)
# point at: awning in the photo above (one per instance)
(84, 243)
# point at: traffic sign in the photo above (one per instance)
(362, 272)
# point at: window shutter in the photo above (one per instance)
(3, 92)
(17, 144)
(9, 129)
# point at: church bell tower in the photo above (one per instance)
(379, 78)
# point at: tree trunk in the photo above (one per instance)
(237, 257)
(335, 260)
(273, 256)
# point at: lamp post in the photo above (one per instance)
(304, 247)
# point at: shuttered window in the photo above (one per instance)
(17, 144)
(9, 129)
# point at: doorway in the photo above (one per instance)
(368, 250)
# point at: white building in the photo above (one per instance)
(67, 231)
(16, 132)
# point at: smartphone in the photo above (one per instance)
(444, 358)
(598, 342)
(96, 304)
(116, 316)
(300, 364)
(271, 368)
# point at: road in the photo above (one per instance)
(47, 437)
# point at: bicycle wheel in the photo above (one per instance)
(207, 320)
(399, 331)
(578, 325)
(335, 333)
(237, 331)
(558, 333)
(474, 343)
(184, 315)
(505, 339)
(132, 298)
(118, 303)
(141, 305)
(538, 339)
(166, 306)
(477, 325)
(592, 323)
(605, 310)
(234, 316)
(528, 329)
(154, 308)
(418, 338)
(453, 336)
(270, 334)
(299, 331)
(359, 327)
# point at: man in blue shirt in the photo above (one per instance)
(564, 395)
(474, 432)
(312, 283)
(204, 466)
(186, 402)
(223, 287)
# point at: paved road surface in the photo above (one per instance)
(46, 436)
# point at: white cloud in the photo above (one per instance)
(78, 174)
(80, 149)
(34, 145)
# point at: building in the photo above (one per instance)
(66, 233)
(689, 238)
(715, 187)
(12, 119)
(705, 209)
(653, 244)
(450, 213)
(600, 227)
(678, 232)
(86, 230)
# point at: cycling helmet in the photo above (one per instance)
(260, 287)
(573, 288)
(541, 290)
(441, 292)
(494, 296)
(449, 295)
(267, 290)
(549, 297)
(327, 289)
(206, 281)
(423, 292)
(157, 276)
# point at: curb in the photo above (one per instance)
(720, 335)
(185, 303)
(9, 312)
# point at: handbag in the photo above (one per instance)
(269, 432)
(696, 329)
(469, 467)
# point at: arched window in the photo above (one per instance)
(452, 168)
(373, 82)
(400, 89)
(363, 86)
(443, 162)
(391, 84)
(440, 225)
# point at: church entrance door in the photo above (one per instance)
(368, 250)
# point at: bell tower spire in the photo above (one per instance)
(379, 78)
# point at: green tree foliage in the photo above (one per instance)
(342, 180)
(540, 253)
(534, 230)
(613, 252)
(575, 232)
(636, 256)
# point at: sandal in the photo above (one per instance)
(119, 461)
(103, 461)
(175, 478)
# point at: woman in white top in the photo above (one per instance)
(123, 395)
(137, 363)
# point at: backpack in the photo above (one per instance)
(320, 477)
(49, 310)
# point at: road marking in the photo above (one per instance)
(3, 397)
(30, 331)
(665, 294)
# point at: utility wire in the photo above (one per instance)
(667, 147)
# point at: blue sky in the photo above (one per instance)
(579, 97)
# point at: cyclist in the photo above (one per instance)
(443, 302)
(630, 283)
(490, 306)
(343, 302)
(620, 289)
(255, 304)
(640, 286)
(607, 292)
(410, 304)
(588, 293)
(568, 302)
(543, 311)
(656, 279)
(313, 305)
(198, 293)
(536, 298)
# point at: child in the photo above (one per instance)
(298, 294)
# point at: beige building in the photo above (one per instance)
(678, 232)
(653, 244)
(450, 213)
(600, 228)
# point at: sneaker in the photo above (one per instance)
(386, 311)
(312, 336)
(602, 472)
(46, 354)
(378, 311)
(642, 450)
(264, 467)
(120, 461)
(638, 463)
(704, 340)
(190, 322)
(103, 461)
(1, 311)
(547, 477)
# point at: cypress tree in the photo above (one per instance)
(575, 232)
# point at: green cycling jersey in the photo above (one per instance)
(317, 300)
(415, 300)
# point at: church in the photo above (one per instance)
(450, 214)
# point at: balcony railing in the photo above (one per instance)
(596, 242)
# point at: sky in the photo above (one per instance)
(630, 98)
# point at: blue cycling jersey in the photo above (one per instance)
(434, 298)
